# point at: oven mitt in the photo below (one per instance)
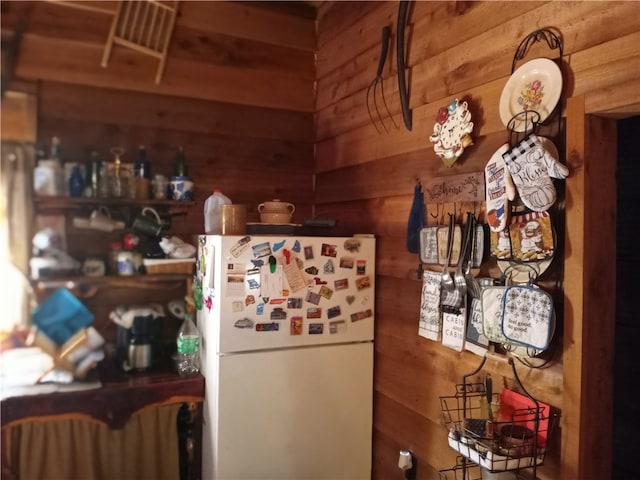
(531, 168)
(417, 220)
(526, 316)
(499, 189)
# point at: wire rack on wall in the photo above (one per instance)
(513, 437)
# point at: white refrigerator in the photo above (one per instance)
(287, 353)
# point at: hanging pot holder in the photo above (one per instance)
(532, 237)
(526, 316)
(492, 302)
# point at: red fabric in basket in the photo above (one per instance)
(511, 401)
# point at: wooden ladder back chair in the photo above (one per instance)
(145, 26)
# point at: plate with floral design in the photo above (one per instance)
(534, 86)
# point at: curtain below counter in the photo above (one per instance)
(74, 449)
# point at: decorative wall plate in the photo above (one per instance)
(534, 86)
(451, 132)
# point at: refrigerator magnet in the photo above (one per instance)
(326, 292)
(240, 246)
(329, 250)
(352, 245)
(313, 297)
(362, 283)
(244, 323)
(328, 267)
(235, 285)
(337, 326)
(341, 284)
(260, 309)
(350, 299)
(278, 245)
(294, 303)
(308, 252)
(249, 300)
(318, 281)
(361, 267)
(276, 301)
(267, 327)
(312, 270)
(237, 307)
(296, 326)
(333, 312)
(346, 262)
(314, 312)
(361, 315)
(316, 328)
(296, 246)
(278, 314)
(253, 284)
(261, 250)
(257, 262)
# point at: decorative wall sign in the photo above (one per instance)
(466, 187)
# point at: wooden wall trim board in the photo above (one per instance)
(589, 305)
(175, 113)
(239, 19)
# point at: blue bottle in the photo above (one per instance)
(76, 182)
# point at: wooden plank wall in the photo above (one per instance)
(237, 93)
(455, 50)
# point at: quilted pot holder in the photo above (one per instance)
(526, 316)
(492, 303)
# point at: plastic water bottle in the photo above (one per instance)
(212, 205)
(188, 342)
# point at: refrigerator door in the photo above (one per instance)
(293, 414)
(282, 292)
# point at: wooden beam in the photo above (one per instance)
(589, 321)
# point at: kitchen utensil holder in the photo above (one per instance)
(480, 441)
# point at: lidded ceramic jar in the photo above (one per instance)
(276, 211)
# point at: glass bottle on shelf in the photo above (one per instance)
(55, 150)
(142, 173)
(118, 186)
(93, 169)
(181, 169)
(76, 182)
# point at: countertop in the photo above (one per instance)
(118, 397)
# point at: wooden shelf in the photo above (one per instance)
(86, 287)
(70, 203)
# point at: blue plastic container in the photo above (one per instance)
(61, 315)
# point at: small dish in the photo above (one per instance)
(534, 86)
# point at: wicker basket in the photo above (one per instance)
(170, 266)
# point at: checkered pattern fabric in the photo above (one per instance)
(531, 168)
